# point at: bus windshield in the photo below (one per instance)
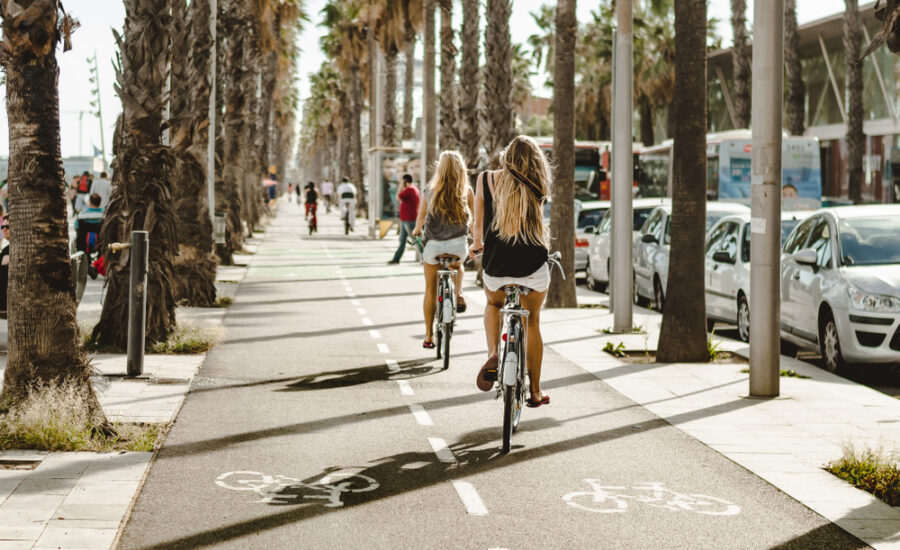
(801, 170)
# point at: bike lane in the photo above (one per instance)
(322, 374)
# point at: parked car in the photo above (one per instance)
(840, 285)
(597, 264)
(651, 250)
(586, 223)
(728, 269)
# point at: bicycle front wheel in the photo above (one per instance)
(446, 344)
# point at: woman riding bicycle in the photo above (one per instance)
(509, 227)
(444, 216)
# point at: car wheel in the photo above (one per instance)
(830, 345)
(659, 299)
(743, 319)
(589, 276)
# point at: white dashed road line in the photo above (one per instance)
(383, 348)
(473, 503)
(405, 388)
(361, 311)
(375, 334)
(366, 321)
(443, 452)
(392, 365)
(421, 415)
(354, 302)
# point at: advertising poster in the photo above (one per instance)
(393, 166)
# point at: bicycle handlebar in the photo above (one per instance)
(553, 260)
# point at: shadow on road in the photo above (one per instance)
(413, 368)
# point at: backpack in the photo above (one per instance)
(84, 185)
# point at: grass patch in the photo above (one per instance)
(53, 418)
(636, 329)
(712, 347)
(223, 301)
(784, 373)
(617, 350)
(871, 471)
(187, 340)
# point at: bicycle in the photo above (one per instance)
(313, 220)
(512, 364)
(271, 488)
(445, 308)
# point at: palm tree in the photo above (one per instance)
(855, 137)
(683, 333)
(449, 135)
(498, 110)
(541, 44)
(195, 265)
(390, 31)
(285, 100)
(740, 63)
(428, 81)
(143, 172)
(562, 216)
(796, 92)
(470, 83)
(521, 81)
(44, 343)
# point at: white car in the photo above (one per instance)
(728, 269)
(597, 265)
(840, 285)
(651, 250)
(586, 222)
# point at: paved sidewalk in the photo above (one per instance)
(79, 500)
(785, 441)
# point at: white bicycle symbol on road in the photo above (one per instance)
(279, 489)
(607, 499)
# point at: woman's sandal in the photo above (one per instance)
(460, 305)
(535, 403)
(428, 344)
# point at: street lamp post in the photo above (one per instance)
(765, 198)
(623, 171)
(95, 80)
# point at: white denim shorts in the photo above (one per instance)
(538, 281)
(458, 247)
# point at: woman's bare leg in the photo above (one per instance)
(492, 319)
(428, 304)
(535, 352)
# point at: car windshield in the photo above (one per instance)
(640, 216)
(713, 217)
(786, 227)
(588, 218)
(870, 241)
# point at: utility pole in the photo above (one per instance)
(765, 198)
(623, 171)
(95, 80)
(211, 142)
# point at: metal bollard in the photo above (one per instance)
(137, 302)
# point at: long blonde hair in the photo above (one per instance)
(520, 192)
(449, 189)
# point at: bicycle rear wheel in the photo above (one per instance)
(512, 395)
(447, 323)
(438, 323)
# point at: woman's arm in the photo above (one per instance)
(478, 217)
(420, 217)
(470, 202)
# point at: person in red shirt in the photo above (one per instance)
(408, 198)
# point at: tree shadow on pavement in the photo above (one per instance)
(413, 368)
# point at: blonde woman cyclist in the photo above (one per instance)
(444, 218)
(509, 227)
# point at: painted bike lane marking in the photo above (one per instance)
(421, 415)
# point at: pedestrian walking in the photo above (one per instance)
(408, 198)
(83, 191)
(312, 203)
(509, 228)
(327, 189)
(102, 187)
(444, 219)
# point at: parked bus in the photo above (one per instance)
(728, 169)
(589, 174)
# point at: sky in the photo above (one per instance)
(80, 131)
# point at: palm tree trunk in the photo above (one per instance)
(562, 216)
(356, 154)
(448, 135)
(499, 113)
(430, 103)
(235, 121)
(469, 79)
(683, 333)
(646, 114)
(389, 128)
(796, 92)
(855, 137)
(195, 265)
(740, 63)
(143, 172)
(44, 344)
(409, 55)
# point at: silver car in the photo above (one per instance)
(651, 250)
(586, 222)
(728, 269)
(597, 265)
(840, 285)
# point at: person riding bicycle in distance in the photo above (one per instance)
(445, 219)
(509, 227)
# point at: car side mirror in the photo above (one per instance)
(649, 238)
(723, 257)
(807, 256)
(590, 229)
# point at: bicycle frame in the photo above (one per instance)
(445, 308)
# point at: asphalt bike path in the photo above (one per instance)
(321, 422)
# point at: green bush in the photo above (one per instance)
(871, 471)
(187, 340)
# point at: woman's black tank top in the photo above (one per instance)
(505, 259)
